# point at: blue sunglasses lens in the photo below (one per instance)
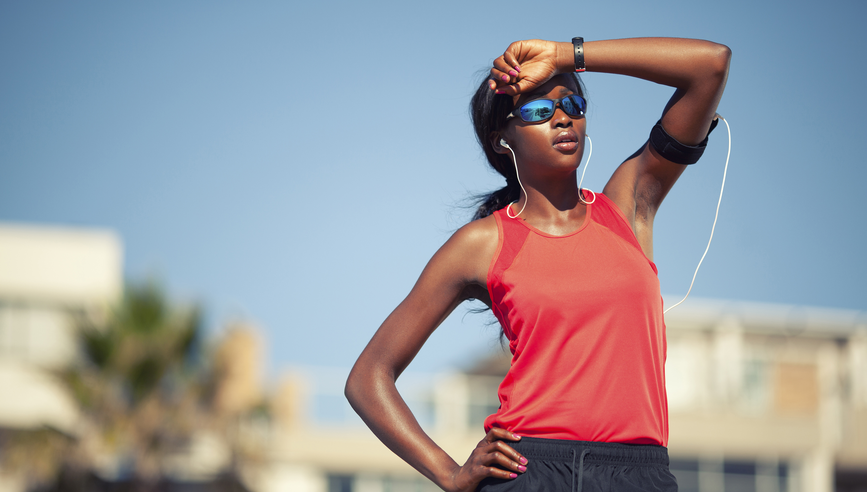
(573, 106)
(538, 110)
(543, 109)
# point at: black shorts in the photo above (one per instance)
(556, 465)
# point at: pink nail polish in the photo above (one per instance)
(513, 475)
(500, 92)
(513, 73)
(523, 460)
(517, 68)
(505, 77)
(522, 468)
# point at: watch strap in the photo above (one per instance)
(578, 46)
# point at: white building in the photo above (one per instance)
(48, 275)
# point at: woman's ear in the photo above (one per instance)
(499, 143)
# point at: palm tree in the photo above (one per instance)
(138, 384)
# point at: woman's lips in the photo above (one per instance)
(566, 141)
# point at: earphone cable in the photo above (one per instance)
(722, 187)
(518, 175)
(586, 164)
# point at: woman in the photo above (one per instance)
(568, 273)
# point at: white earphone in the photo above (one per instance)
(581, 193)
(515, 160)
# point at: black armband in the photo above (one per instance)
(669, 148)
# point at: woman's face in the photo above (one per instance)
(555, 145)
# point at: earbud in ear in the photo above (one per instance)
(504, 144)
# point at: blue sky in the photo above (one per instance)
(297, 164)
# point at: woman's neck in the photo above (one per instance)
(554, 207)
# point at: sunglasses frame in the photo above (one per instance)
(557, 102)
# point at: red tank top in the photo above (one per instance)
(583, 316)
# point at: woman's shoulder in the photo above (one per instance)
(468, 253)
(478, 233)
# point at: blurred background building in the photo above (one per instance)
(48, 277)
(763, 398)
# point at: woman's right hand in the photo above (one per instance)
(528, 64)
(492, 457)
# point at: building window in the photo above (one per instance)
(379, 483)
(340, 483)
(756, 389)
(714, 475)
(36, 334)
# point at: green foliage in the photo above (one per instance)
(139, 382)
(144, 309)
(144, 387)
(142, 343)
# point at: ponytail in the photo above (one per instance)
(489, 203)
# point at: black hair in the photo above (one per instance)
(488, 111)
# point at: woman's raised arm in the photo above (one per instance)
(697, 70)
(456, 272)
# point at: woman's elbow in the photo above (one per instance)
(353, 388)
(719, 59)
(362, 382)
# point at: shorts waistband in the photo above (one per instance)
(594, 452)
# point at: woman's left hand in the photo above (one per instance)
(528, 64)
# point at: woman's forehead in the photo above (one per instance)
(557, 87)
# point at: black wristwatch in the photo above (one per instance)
(578, 44)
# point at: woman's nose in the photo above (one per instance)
(560, 118)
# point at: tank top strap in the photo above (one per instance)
(511, 238)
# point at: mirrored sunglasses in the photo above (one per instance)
(540, 110)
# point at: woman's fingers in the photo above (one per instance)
(507, 456)
(505, 462)
(505, 67)
(511, 61)
(498, 452)
(500, 76)
(505, 72)
(492, 471)
(502, 434)
(495, 464)
(497, 437)
(503, 83)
